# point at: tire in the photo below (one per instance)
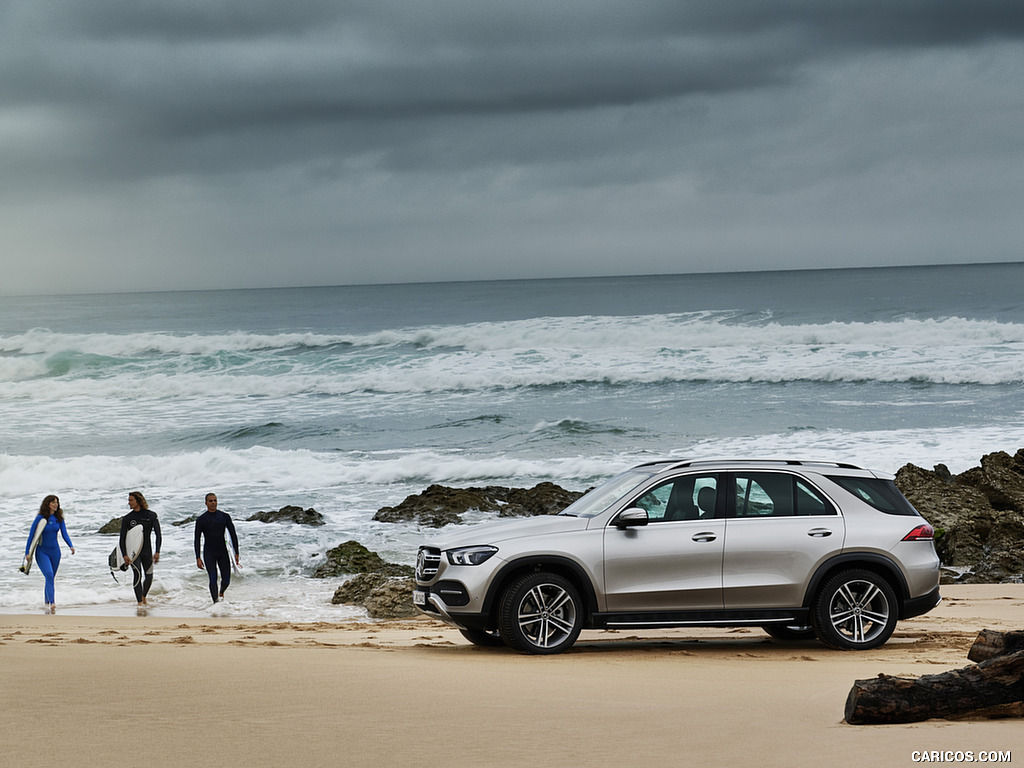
(856, 610)
(540, 613)
(789, 632)
(483, 638)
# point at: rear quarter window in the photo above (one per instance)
(883, 495)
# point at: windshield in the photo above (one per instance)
(607, 493)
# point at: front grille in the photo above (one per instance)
(427, 563)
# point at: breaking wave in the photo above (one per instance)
(545, 352)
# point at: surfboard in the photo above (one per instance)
(231, 552)
(133, 543)
(37, 534)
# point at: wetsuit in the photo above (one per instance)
(142, 566)
(211, 527)
(48, 552)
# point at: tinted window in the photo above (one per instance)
(691, 497)
(761, 494)
(774, 494)
(809, 502)
(881, 494)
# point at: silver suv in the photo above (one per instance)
(801, 549)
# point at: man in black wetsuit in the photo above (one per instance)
(211, 526)
(142, 566)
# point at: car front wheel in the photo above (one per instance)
(856, 610)
(789, 632)
(540, 613)
(484, 638)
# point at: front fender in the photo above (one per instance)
(563, 565)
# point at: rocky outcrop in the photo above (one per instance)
(352, 557)
(978, 516)
(384, 597)
(113, 525)
(383, 588)
(543, 499)
(440, 505)
(1001, 478)
(289, 514)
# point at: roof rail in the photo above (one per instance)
(786, 462)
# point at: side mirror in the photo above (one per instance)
(631, 518)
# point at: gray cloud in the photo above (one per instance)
(182, 144)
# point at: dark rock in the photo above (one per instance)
(543, 499)
(357, 589)
(440, 505)
(978, 516)
(352, 557)
(111, 526)
(384, 597)
(188, 520)
(940, 500)
(946, 505)
(1000, 477)
(289, 514)
(384, 589)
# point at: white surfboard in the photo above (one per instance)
(132, 542)
(37, 534)
(231, 552)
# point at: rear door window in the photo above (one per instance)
(776, 494)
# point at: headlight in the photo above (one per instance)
(470, 555)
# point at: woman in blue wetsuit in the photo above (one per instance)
(48, 549)
(210, 528)
(142, 565)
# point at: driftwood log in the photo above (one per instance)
(989, 644)
(993, 688)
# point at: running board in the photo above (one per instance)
(702, 619)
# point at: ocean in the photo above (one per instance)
(348, 399)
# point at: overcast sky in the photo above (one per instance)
(166, 144)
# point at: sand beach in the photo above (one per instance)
(92, 690)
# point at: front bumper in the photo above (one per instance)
(430, 602)
(432, 606)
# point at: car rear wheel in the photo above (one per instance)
(856, 610)
(540, 613)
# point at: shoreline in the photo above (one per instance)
(411, 691)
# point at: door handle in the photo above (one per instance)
(706, 536)
(819, 532)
